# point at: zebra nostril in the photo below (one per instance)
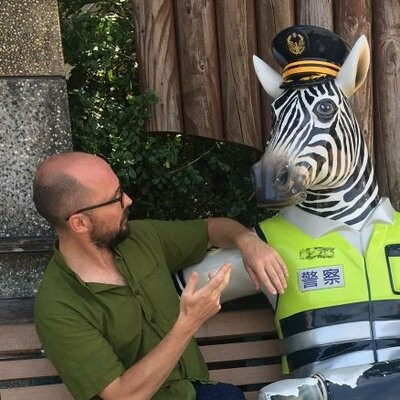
(283, 177)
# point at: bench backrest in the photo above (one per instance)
(239, 346)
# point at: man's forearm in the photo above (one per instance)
(225, 233)
(144, 378)
(263, 264)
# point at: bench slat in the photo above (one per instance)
(18, 339)
(238, 323)
(23, 338)
(16, 311)
(248, 375)
(241, 351)
(58, 392)
(251, 395)
(22, 369)
(47, 392)
(256, 325)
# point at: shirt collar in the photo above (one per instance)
(317, 226)
(94, 287)
(60, 262)
(59, 259)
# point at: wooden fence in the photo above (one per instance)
(197, 56)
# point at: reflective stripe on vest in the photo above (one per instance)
(340, 309)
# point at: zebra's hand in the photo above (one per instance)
(263, 263)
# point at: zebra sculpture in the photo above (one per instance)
(339, 318)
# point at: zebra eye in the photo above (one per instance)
(325, 110)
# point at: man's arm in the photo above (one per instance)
(262, 262)
(144, 378)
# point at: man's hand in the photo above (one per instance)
(263, 264)
(197, 306)
(145, 377)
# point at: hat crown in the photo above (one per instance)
(308, 54)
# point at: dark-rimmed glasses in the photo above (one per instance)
(119, 198)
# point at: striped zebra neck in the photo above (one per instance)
(350, 203)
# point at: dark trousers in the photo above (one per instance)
(220, 391)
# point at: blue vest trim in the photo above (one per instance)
(301, 358)
(383, 310)
(308, 356)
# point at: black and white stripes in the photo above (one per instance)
(317, 150)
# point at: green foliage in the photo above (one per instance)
(168, 175)
(105, 101)
(186, 177)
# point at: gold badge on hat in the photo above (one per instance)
(296, 43)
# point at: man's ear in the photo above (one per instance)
(79, 223)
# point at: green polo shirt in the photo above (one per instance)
(93, 332)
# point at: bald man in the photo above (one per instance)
(107, 312)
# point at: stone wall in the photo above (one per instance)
(34, 123)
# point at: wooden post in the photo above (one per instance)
(386, 58)
(352, 19)
(311, 12)
(199, 67)
(230, 102)
(240, 90)
(158, 61)
(271, 18)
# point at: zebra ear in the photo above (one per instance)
(269, 78)
(355, 68)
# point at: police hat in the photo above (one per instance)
(308, 54)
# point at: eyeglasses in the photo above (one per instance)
(119, 198)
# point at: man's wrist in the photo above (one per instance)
(241, 238)
(185, 327)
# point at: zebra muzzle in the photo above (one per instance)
(277, 184)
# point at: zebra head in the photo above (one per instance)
(317, 157)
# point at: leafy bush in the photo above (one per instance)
(168, 175)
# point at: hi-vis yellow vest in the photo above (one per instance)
(340, 308)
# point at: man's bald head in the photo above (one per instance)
(63, 183)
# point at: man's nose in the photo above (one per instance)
(127, 200)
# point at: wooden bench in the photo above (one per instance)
(240, 347)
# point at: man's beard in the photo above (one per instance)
(111, 238)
